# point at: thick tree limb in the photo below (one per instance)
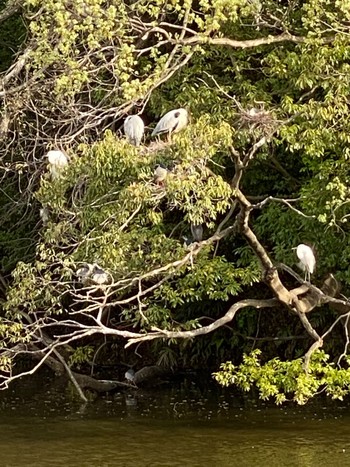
(161, 333)
(14, 71)
(10, 9)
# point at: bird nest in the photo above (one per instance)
(154, 146)
(255, 118)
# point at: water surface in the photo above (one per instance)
(172, 426)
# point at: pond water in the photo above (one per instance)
(184, 425)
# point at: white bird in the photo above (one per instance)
(84, 273)
(44, 215)
(307, 260)
(90, 274)
(172, 122)
(99, 275)
(160, 174)
(130, 375)
(134, 129)
(58, 161)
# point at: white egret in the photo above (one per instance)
(44, 215)
(172, 122)
(307, 260)
(134, 129)
(57, 161)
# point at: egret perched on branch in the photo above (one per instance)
(57, 161)
(307, 259)
(134, 129)
(172, 122)
(44, 215)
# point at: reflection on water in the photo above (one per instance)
(39, 426)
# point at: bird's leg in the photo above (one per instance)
(307, 275)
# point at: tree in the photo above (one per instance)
(262, 166)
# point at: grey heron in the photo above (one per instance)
(134, 129)
(172, 122)
(197, 232)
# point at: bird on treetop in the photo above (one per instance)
(197, 232)
(84, 272)
(172, 122)
(134, 129)
(160, 174)
(57, 161)
(99, 275)
(44, 214)
(307, 259)
(93, 274)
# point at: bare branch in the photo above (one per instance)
(287, 202)
(347, 340)
(237, 44)
(71, 375)
(161, 333)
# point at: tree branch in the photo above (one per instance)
(161, 333)
(237, 44)
(10, 9)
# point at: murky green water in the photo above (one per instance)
(171, 427)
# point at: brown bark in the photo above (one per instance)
(10, 9)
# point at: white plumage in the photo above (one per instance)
(58, 161)
(307, 259)
(44, 214)
(130, 375)
(134, 129)
(84, 273)
(160, 174)
(172, 122)
(99, 276)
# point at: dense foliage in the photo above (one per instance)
(266, 84)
